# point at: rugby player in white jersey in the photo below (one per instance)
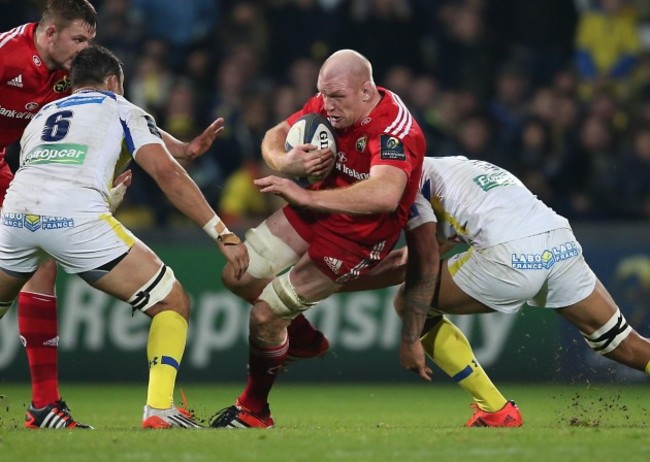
(520, 252)
(58, 205)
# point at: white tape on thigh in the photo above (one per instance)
(154, 290)
(269, 255)
(608, 337)
(283, 299)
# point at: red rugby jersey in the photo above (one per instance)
(26, 84)
(388, 136)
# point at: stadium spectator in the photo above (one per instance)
(182, 25)
(334, 232)
(593, 193)
(401, 46)
(109, 258)
(150, 86)
(321, 31)
(634, 199)
(241, 203)
(537, 164)
(509, 105)
(539, 33)
(465, 51)
(520, 252)
(607, 46)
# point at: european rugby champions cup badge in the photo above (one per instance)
(391, 148)
(62, 85)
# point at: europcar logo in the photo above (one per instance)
(493, 180)
(63, 153)
(546, 259)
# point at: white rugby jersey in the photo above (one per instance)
(479, 203)
(69, 152)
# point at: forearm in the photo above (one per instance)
(273, 146)
(185, 195)
(175, 146)
(416, 303)
(378, 194)
(420, 283)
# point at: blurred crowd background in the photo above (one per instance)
(557, 91)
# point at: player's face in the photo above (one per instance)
(65, 43)
(343, 101)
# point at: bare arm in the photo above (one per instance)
(378, 194)
(414, 301)
(198, 146)
(186, 196)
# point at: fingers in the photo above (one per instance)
(423, 371)
(124, 178)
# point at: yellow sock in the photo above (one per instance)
(448, 347)
(165, 347)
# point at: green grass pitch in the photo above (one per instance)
(321, 422)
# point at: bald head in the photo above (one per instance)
(347, 63)
(349, 92)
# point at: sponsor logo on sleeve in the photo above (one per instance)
(391, 148)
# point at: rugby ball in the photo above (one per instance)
(313, 129)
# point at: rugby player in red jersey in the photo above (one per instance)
(34, 62)
(334, 231)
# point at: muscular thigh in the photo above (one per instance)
(131, 273)
(591, 313)
(450, 298)
(310, 282)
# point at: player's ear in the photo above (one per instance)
(50, 32)
(366, 91)
(113, 83)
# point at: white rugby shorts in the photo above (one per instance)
(544, 270)
(77, 244)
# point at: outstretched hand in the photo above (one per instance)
(199, 145)
(411, 356)
(285, 188)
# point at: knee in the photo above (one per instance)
(177, 300)
(262, 316)
(247, 287)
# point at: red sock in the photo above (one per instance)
(38, 330)
(301, 332)
(263, 364)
